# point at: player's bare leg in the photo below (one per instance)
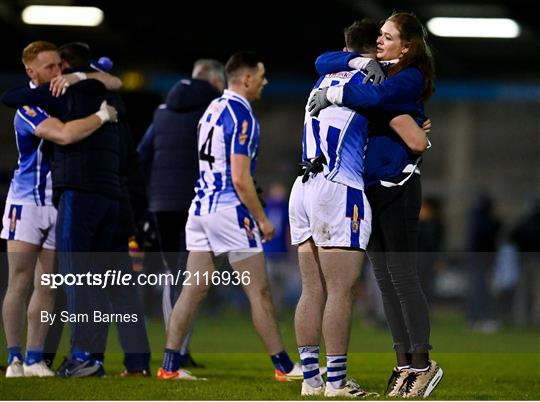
(194, 291)
(22, 259)
(260, 299)
(42, 300)
(191, 297)
(341, 269)
(309, 311)
(308, 318)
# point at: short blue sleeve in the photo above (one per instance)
(243, 129)
(333, 62)
(32, 116)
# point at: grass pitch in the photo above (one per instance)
(502, 366)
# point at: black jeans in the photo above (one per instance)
(392, 250)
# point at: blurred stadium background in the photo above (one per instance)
(484, 165)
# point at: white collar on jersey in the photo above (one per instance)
(32, 85)
(229, 94)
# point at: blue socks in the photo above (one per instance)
(14, 351)
(171, 360)
(310, 365)
(80, 355)
(34, 356)
(282, 362)
(337, 370)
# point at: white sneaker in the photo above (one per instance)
(15, 369)
(350, 390)
(39, 369)
(308, 390)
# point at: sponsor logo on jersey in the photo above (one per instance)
(247, 226)
(342, 74)
(243, 136)
(29, 111)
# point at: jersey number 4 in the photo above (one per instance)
(205, 153)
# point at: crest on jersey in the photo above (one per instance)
(29, 111)
(14, 216)
(247, 226)
(355, 223)
(243, 135)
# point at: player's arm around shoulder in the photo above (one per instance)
(59, 84)
(73, 131)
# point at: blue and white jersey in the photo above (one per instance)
(339, 133)
(31, 183)
(226, 127)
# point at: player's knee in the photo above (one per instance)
(341, 290)
(264, 292)
(45, 291)
(316, 292)
(259, 292)
(316, 287)
(18, 287)
(198, 291)
(203, 290)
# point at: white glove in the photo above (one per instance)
(359, 63)
(107, 113)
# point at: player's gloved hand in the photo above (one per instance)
(267, 229)
(374, 71)
(318, 101)
(107, 113)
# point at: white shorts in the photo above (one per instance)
(32, 224)
(229, 230)
(333, 214)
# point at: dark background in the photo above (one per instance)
(150, 35)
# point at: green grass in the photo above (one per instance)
(502, 366)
